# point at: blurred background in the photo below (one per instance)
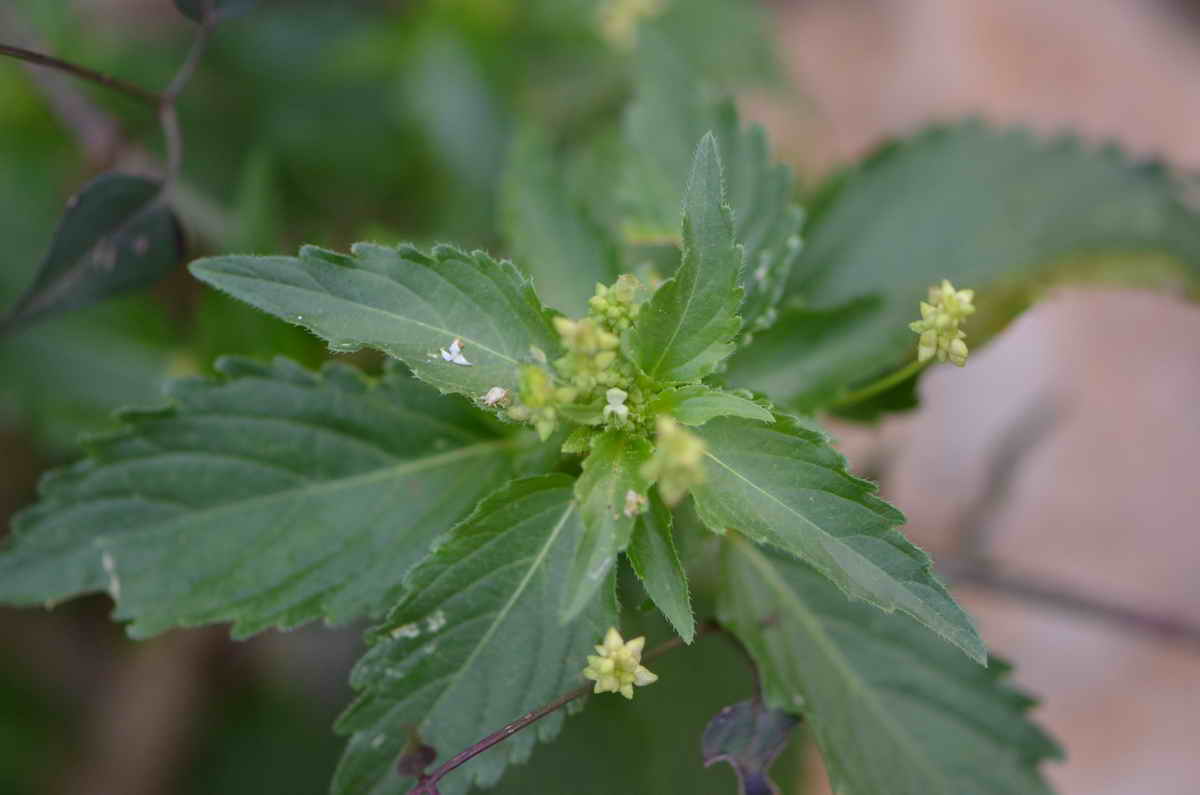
(1064, 452)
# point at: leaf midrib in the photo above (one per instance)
(788, 598)
(310, 488)
(502, 614)
(360, 307)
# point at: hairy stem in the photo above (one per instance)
(427, 784)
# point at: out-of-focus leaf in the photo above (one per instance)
(999, 211)
(893, 709)
(552, 238)
(66, 377)
(475, 643)
(221, 9)
(256, 208)
(749, 736)
(115, 237)
(670, 112)
(273, 497)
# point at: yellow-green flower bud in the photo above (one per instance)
(941, 316)
(678, 460)
(617, 665)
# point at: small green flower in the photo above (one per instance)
(678, 461)
(941, 316)
(616, 307)
(616, 666)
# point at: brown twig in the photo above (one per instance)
(165, 102)
(427, 784)
(124, 86)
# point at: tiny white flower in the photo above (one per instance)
(616, 405)
(455, 355)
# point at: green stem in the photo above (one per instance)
(882, 385)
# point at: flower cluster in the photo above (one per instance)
(616, 307)
(539, 400)
(939, 325)
(591, 354)
(616, 666)
(678, 461)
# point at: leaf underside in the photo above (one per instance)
(272, 497)
(892, 708)
(667, 117)
(475, 643)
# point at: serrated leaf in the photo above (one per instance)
(892, 709)
(783, 484)
(115, 237)
(408, 304)
(476, 642)
(749, 736)
(669, 113)
(684, 331)
(552, 238)
(269, 498)
(653, 556)
(999, 211)
(221, 9)
(696, 404)
(611, 472)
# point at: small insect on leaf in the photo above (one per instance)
(454, 355)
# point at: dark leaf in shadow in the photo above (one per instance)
(116, 236)
(222, 9)
(748, 736)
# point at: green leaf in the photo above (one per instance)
(474, 643)
(696, 404)
(222, 9)
(270, 498)
(687, 327)
(669, 113)
(405, 303)
(551, 236)
(748, 736)
(611, 471)
(653, 556)
(893, 709)
(1000, 211)
(783, 484)
(115, 237)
